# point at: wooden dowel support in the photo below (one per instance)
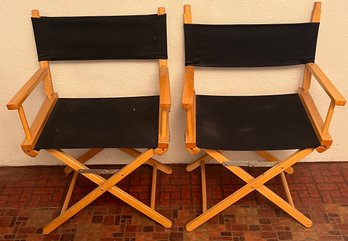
(153, 187)
(24, 122)
(286, 189)
(69, 193)
(204, 187)
(328, 118)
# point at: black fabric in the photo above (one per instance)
(253, 45)
(273, 122)
(102, 122)
(102, 37)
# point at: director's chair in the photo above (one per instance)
(97, 123)
(254, 123)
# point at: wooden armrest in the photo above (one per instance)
(315, 117)
(165, 103)
(188, 93)
(327, 85)
(26, 90)
(165, 99)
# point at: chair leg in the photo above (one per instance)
(153, 187)
(253, 184)
(160, 166)
(105, 185)
(204, 187)
(286, 188)
(70, 191)
(192, 166)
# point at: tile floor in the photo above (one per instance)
(31, 197)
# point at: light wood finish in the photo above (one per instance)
(307, 76)
(152, 162)
(24, 122)
(161, 11)
(328, 118)
(286, 189)
(69, 193)
(16, 102)
(165, 99)
(35, 13)
(316, 12)
(196, 163)
(315, 118)
(253, 184)
(271, 158)
(190, 135)
(84, 158)
(38, 125)
(153, 187)
(187, 14)
(47, 80)
(327, 85)
(204, 187)
(26, 90)
(188, 98)
(165, 103)
(105, 185)
(188, 93)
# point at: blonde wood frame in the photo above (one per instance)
(165, 102)
(252, 185)
(188, 98)
(104, 186)
(282, 166)
(33, 132)
(72, 165)
(321, 127)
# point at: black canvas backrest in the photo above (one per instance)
(101, 37)
(250, 45)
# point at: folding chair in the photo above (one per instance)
(254, 123)
(97, 123)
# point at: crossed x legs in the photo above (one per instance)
(252, 184)
(104, 186)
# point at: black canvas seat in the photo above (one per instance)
(102, 123)
(272, 122)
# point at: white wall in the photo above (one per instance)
(106, 78)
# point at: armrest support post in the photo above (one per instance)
(307, 76)
(188, 93)
(47, 80)
(24, 122)
(328, 118)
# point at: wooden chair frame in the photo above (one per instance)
(32, 134)
(280, 166)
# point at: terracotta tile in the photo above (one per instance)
(320, 191)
